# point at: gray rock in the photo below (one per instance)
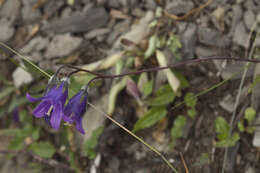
(227, 69)
(236, 18)
(20, 76)
(249, 19)
(28, 13)
(227, 103)
(10, 9)
(36, 44)
(212, 37)
(123, 3)
(203, 51)
(96, 32)
(241, 36)
(150, 4)
(231, 158)
(6, 30)
(80, 22)
(188, 40)
(178, 7)
(113, 3)
(62, 45)
(250, 170)
(138, 12)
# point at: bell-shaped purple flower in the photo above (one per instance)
(75, 109)
(52, 103)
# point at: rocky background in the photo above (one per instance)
(88, 32)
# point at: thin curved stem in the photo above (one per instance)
(25, 59)
(209, 58)
(136, 137)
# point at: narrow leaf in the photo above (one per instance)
(150, 118)
(43, 149)
(163, 96)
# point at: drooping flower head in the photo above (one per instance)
(52, 102)
(75, 109)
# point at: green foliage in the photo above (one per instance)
(256, 80)
(250, 114)
(91, 143)
(16, 102)
(174, 44)
(203, 160)
(153, 41)
(163, 96)
(228, 142)
(192, 112)
(151, 117)
(177, 129)
(190, 100)
(183, 81)
(148, 88)
(43, 149)
(241, 126)
(6, 91)
(222, 129)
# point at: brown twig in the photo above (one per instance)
(184, 163)
(194, 10)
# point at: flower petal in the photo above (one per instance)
(32, 99)
(42, 109)
(79, 125)
(56, 115)
(67, 118)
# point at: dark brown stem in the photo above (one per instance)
(209, 58)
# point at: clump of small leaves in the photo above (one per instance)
(249, 118)
(177, 129)
(222, 130)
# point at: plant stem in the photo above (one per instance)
(136, 137)
(25, 59)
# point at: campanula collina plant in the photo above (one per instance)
(52, 102)
(75, 108)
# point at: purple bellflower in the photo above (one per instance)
(52, 102)
(75, 109)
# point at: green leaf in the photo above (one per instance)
(151, 117)
(91, 143)
(114, 91)
(119, 66)
(256, 80)
(203, 160)
(250, 114)
(174, 44)
(148, 88)
(43, 149)
(192, 113)
(177, 129)
(241, 126)
(228, 142)
(36, 134)
(190, 100)
(10, 132)
(16, 102)
(6, 91)
(183, 81)
(163, 96)
(152, 46)
(17, 143)
(222, 128)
